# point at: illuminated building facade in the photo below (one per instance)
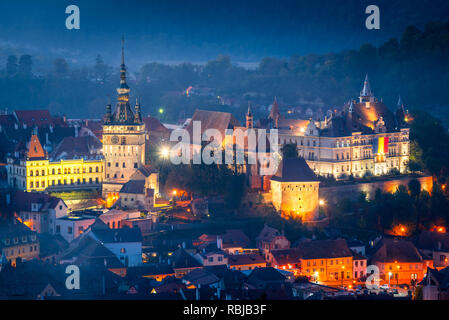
(36, 171)
(18, 241)
(364, 138)
(294, 190)
(400, 262)
(123, 139)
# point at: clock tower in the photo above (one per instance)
(123, 138)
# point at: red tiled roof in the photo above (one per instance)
(324, 249)
(39, 118)
(245, 259)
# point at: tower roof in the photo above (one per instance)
(274, 113)
(366, 91)
(294, 170)
(249, 114)
(123, 113)
(35, 150)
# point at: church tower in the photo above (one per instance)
(123, 138)
(249, 118)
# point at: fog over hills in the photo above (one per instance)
(199, 30)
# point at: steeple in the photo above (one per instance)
(249, 118)
(123, 113)
(351, 107)
(274, 113)
(366, 91)
(124, 89)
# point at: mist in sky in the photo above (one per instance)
(198, 30)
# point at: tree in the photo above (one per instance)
(61, 68)
(11, 66)
(289, 151)
(25, 66)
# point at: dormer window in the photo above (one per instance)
(34, 207)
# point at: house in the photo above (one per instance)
(233, 241)
(400, 262)
(86, 251)
(200, 278)
(36, 279)
(357, 246)
(17, 241)
(261, 278)
(359, 265)
(435, 245)
(435, 285)
(124, 243)
(182, 262)
(134, 195)
(212, 258)
(286, 259)
(38, 211)
(246, 262)
(71, 226)
(326, 261)
(51, 246)
(271, 239)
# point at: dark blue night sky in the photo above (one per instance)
(198, 30)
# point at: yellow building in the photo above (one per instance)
(37, 172)
(294, 190)
(327, 261)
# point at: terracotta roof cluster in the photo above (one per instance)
(213, 120)
(89, 251)
(32, 118)
(267, 234)
(22, 201)
(286, 256)
(78, 147)
(391, 250)
(245, 259)
(118, 235)
(324, 249)
(183, 260)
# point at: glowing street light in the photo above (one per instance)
(165, 152)
(389, 277)
(161, 111)
(322, 202)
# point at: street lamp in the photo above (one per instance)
(165, 152)
(342, 275)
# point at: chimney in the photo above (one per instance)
(47, 140)
(219, 242)
(76, 131)
(183, 244)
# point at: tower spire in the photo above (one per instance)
(249, 117)
(366, 91)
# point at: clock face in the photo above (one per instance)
(114, 140)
